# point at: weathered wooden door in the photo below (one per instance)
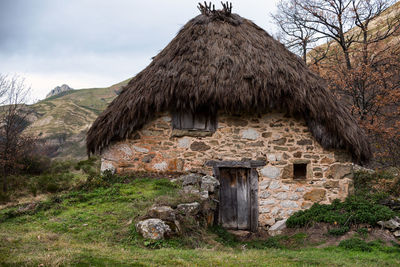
(235, 203)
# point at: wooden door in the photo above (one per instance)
(235, 203)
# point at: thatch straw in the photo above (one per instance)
(221, 61)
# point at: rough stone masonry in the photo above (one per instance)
(279, 140)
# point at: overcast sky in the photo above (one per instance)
(95, 43)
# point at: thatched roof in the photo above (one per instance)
(221, 61)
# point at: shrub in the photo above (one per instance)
(51, 183)
(339, 231)
(363, 232)
(373, 182)
(354, 210)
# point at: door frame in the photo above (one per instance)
(252, 165)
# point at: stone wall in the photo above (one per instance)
(278, 140)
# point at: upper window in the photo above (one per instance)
(194, 121)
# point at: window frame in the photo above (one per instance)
(181, 120)
(302, 168)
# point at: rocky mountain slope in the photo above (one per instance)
(58, 90)
(62, 120)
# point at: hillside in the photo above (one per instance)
(378, 24)
(62, 120)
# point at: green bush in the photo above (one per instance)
(354, 210)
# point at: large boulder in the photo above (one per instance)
(315, 195)
(277, 228)
(155, 229)
(165, 213)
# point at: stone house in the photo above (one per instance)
(226, 99)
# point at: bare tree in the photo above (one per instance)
(293, 34)
(346, 22)
(13, 144)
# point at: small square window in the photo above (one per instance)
(299, 171)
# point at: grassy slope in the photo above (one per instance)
(95, 228)
(69, 115)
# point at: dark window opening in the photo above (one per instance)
(299, 171)
(194, 121)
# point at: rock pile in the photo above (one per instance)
(164, 220)
(392, 225)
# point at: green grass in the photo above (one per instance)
(96, 228)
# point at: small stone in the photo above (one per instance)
(140, 149)
(297, 154)
(277, 228)
(269, 222)
(340, 171)
(289, 204)
(184, 142)
(264, 209)
(315, 195)
(267, 202)
(154, 229)
(331, 184)
(282, 196)
(300, 189)
(148, 158)
(274, 185)
(280, 141)
(250, 134)
(189, 208)
(199, 146)
(266, 135)
(326, 160)
(287, 172)
(264, 184)
(264, 194)
(165, 213)
(161, 166)
(306, 205)
(190, 179)
(304, 142)
(275, 211)
(204, 194)
(107, 166)
(270, 172)
(294, 197)
(396, 233)
(281, 148)
(390, 224)
(209, 183)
